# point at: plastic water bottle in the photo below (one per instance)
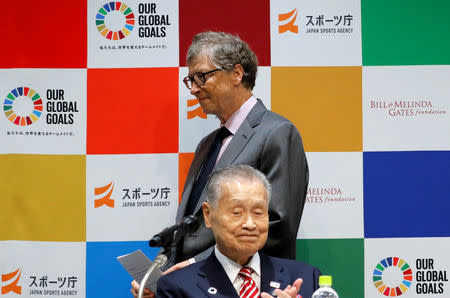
(325, 290)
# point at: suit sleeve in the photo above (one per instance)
(284, 163)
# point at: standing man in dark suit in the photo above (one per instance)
(222, 74)
(237, 212)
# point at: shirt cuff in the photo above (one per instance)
(191, 261)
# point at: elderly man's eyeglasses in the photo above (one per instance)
(199, 78)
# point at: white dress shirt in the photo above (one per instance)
(232, 269)
(235, 121)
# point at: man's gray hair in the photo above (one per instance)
(239, 174)
(225, 51)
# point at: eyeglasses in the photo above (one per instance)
(199, 78)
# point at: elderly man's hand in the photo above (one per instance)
(147, 292)
(177, 266)
(289, 292)
(135, 290)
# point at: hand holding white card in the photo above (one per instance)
(137, 264)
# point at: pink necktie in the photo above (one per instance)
(249, 289)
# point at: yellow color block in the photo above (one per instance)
(31, 93)
(324, 103)
(403, 288)
(43, 197)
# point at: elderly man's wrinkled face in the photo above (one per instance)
(217, 91)
(240, 221)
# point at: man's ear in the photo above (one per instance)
(238, 74)
(206, 208)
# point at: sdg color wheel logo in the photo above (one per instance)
(115, 20)
(392, 276)
(23, 106)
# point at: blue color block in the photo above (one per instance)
(99, 16)
(106, 7)
(14, 92)
(20, 89)
(389, 260)
(406, 194)
(105, 276)
(383, 262)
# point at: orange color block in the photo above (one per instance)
(132, 111)
(184, 162)
(324, 103)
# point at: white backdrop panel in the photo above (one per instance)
(145, 195)
(334, 202)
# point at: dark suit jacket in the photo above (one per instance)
(271, 144)
(195, 280)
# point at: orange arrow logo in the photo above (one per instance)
(198, 112)
(106, 199)
(12, 287)
(289, 26)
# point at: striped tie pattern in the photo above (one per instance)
(248, 289)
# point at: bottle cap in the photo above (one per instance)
(325, 280)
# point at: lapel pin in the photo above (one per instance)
(212, 290)
(275, 284)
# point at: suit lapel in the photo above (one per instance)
(212, 275)
(237, 144)
(242, 136)
(271, 272)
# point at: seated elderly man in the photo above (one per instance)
(237, 212)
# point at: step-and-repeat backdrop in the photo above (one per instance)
(97, 132)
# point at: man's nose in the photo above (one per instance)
(194, 88)
(249, 223)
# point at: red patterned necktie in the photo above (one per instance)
(249, 289)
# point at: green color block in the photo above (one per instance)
(99, 22)
(10, 96)
(376, 278)
(379, 267)
(405, 267)
(36, 97)
(127, 11)
(102, 11)
(341, 258)
(7, 108)
(405, 32)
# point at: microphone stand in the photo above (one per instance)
(157, 263)
(190, 224)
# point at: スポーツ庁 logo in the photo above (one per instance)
(12, 279)
(105, 195)
(288, 20)
(197, 110)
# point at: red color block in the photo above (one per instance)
(43, 34)
(249, 19)
(131, 111)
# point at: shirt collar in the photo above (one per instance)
(235, 121)
(232, 268)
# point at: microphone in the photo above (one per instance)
(188, 224)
